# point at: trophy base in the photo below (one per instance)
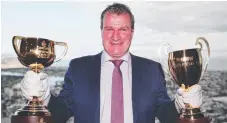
(193, 115)
(34, 112)
(200, 120)
(31, 119)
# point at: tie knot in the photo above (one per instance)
(117, 63)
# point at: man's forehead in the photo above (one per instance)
(117, 19)
(116, 24)
(116, 14)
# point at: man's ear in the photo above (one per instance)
(132, 32)
(101, 31)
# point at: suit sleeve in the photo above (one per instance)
(61, 106)
(166, 111)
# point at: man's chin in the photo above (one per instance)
(117, 55)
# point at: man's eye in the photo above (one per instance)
(109, 29)
(123, 29)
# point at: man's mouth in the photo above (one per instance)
(118, 43)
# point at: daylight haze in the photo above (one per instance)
(78, 24)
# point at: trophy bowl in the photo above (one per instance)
(186, 67)
(35, 53)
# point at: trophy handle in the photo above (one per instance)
(165, 47)
(198, 42)
(16, 45)
(65, 51)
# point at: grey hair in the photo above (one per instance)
(118, 8)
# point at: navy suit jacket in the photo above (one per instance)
(80, 96)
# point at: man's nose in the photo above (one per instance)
(116, 35)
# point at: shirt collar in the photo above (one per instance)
(106, 58)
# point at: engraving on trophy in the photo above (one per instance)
(182, 61)
(42, 51)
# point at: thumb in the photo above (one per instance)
(194, 89)
(180, 91)
(43, 76)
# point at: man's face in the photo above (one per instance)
(116, 34)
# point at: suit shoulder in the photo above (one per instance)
(83, 60)
(146, 60)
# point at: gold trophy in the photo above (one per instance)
(35, 53)
(186, 67)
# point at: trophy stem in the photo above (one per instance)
(36, 67)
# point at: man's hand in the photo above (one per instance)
(35, 84)
(188, 98)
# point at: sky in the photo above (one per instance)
(78, 25)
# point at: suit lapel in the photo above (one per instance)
(136, 85)
(94, 79)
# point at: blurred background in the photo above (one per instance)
(78, 24)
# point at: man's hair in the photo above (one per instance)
(118, 8)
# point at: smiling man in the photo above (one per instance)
(117, 33)
(113, 86)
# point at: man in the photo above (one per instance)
(113, 86)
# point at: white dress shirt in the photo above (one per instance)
(107, 68)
